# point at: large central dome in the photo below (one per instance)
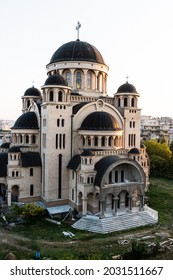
(77, 51)
(99, 121)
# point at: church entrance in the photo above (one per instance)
(15, 193)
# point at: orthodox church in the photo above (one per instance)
(73, 144)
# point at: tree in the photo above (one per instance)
(160, 158)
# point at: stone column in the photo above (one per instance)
(115, 205)
(130, 202)
(141, 202)
(9, 198)
(101, 209)
(84, 206)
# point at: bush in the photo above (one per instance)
(30, 211)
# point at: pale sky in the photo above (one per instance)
(133, 36)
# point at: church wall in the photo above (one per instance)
(56, 149)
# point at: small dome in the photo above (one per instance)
(87, 153)
(126, 88)
(99, 121)
(5, 145)
(77, 51)
(134, 151)
(26, 121)
(14, 149)
(32, 92)
(55, 79)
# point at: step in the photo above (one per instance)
(117, 223)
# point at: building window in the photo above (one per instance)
(31, 172)
(72, 194)
(44, 140)
(89, 76)
(51, 96)
(63, 141)
(133, 102)
(122, 175)
(33, 139)
(28, 103)
(119, 102)
(68, 78)
(44, 122)
(62, 122)
(58, 122)
(125, 102)
(95, 141)
(27, 139)
(78, 80)
(103, 141)
(116, 176)
(60, 96)
(31, 190)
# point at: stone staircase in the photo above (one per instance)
(115, 223)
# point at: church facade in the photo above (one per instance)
(73, 143)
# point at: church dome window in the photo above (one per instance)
(51, 95)
(89, 80)
(60, 95)
(68, 78)
(133, 102)
(125, 102)
(78, 80)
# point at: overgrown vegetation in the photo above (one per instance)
(161, 158)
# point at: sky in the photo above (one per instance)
(135, 38)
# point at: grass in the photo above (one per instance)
(24, 240)
(161, 199)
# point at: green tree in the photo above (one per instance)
(160, 158)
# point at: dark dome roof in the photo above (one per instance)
(126, 88)
(77, 51)
(55, 79)
(14, 149)
(32, 92)
(26, 121)
(87, 153)
(5, 145)
(99, 121)
(134, 151)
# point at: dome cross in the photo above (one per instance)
(77, 28)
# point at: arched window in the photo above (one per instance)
(103, 141)
(116, 176)
(119, 102)
(110, 177)
(89, 141)
(68, 78)
(31, 172)
(89, 84)
(28, 103)
(133, 102)
(51, 96)
(33, 139)
(27, 139)
(60, 96)
(95, 141)
(110, 141)
(125, 102)
(78, 80)
(122, 175)
(31, 190)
